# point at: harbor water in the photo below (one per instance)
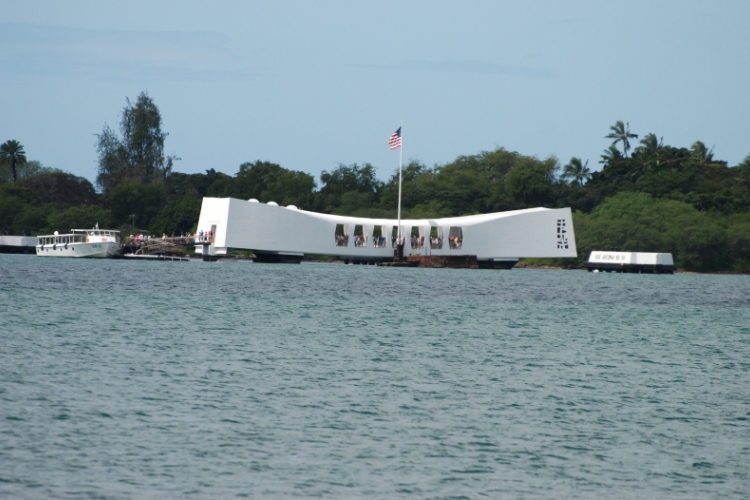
(139, 380)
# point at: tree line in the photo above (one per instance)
(647, 196)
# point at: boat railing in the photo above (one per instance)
(61, 239)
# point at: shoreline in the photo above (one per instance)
(520, 265)
(676, 271)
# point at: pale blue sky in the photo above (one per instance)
(309, 85)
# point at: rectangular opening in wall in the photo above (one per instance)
(417, 237)
(436, 237)
(378, 237)
(342, 238)
(360, 238)
(455, 238)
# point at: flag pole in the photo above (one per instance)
(400, 158)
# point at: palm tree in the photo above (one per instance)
(577, 171)
(701, 154)
(646, 157)
(611, 157)
(621, 133)
(651, 145)
(743, 173)
(12, 151)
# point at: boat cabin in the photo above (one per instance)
(80, 236)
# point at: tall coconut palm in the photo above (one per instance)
(701, 154)
(651, 145)
(577, 171)
(647, 157)
(611, 157)
(621, 133)
(12, 151)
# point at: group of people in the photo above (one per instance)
(342, 240)
(417, 242)
(378, 241)
(359, 241)
(204, 236)
(436, 242)
(182, 238)
(139, 238)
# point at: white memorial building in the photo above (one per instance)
(285, 234)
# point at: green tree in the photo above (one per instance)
(178, 216)
(61, 188)
(742, 173)
(291, 188)
(346, 178)
(253, 179)
(576, 171)
(637, 222)
(12, 203)
(33, 219)
(647, 157)
(612, 158)
(24, 171)
(738, 237)
(80, 217)
(621, 133)
(268, 181)
(701, 154)
(12, 152)
(530, 182)
(135, 198)
(139, 154)
(418, 187)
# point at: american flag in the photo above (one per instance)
(395, 141)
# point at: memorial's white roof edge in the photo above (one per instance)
(443, 221)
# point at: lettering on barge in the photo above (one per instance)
(605, 256)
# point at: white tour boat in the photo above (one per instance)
(94, 242)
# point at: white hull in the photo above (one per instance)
(100, 250)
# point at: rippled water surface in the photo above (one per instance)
(220, 380)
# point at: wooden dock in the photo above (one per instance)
(133, 256)
(155, 249)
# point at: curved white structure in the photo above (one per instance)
(102, 243)
(269, 229)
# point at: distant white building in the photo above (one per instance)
(278, 234)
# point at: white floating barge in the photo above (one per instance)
(17, 244)
(285, 234)
(630, 262)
